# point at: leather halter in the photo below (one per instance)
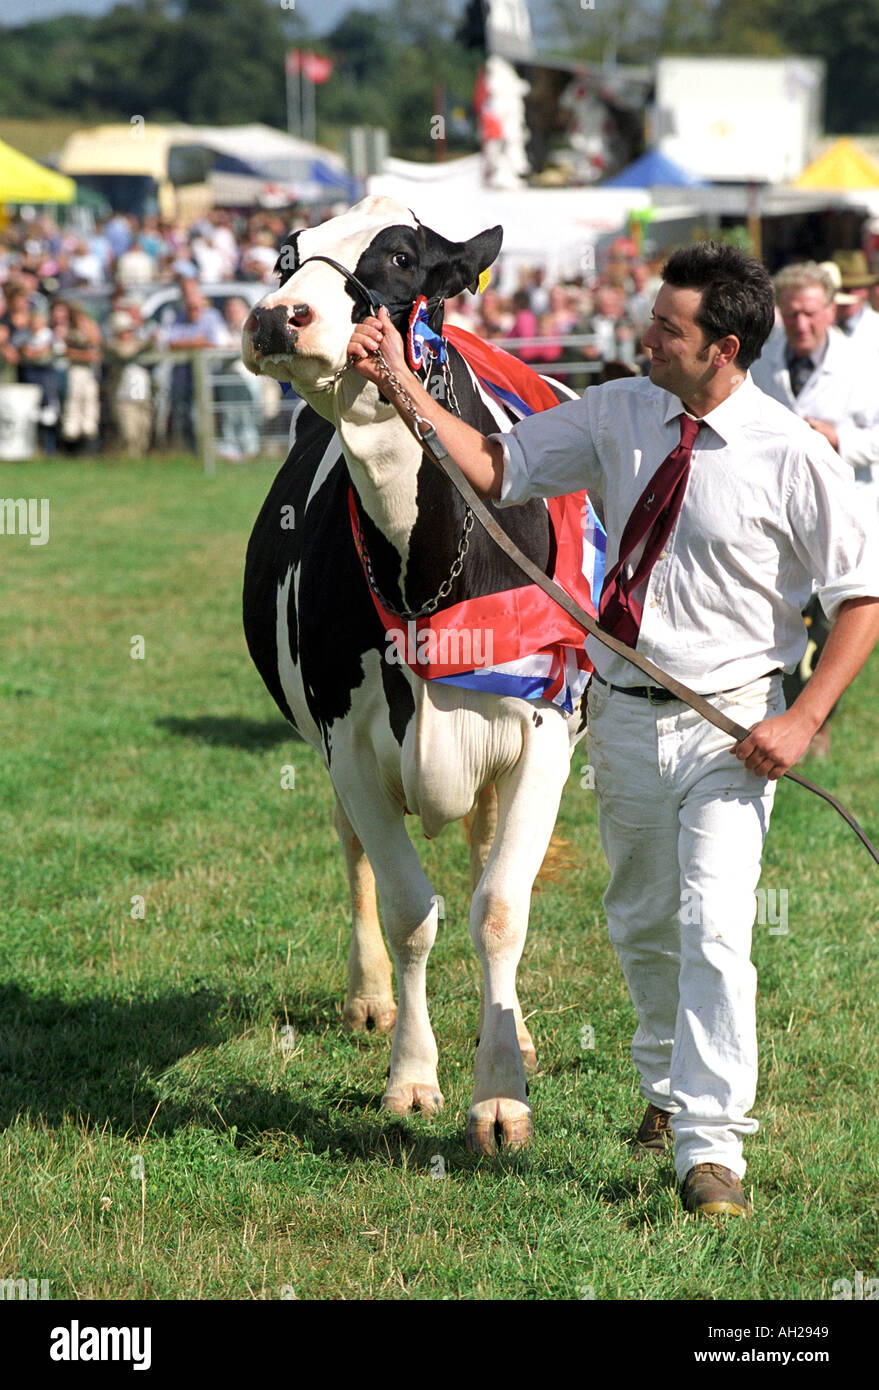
(374, 299)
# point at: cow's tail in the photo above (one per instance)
(480, 825)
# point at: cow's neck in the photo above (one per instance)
(386, 466)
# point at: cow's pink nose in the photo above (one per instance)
(301, 315)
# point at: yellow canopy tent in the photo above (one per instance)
(22, 180)
(844, 165)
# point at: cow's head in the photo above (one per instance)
(300, 331)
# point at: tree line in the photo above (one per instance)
(208, 63)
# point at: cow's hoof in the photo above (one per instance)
(492, 1123)
(412, 1095)
(363, 1015)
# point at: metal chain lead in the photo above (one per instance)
(420, 425)
(451, 398)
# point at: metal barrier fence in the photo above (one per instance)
(206, 397)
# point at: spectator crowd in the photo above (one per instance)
(72, 322)
(82, 316)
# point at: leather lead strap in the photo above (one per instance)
(436, 450)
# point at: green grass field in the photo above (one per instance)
(157, 1137)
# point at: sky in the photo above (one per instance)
(321, 15)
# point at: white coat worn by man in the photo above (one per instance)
(830, 382)
(822, 376)
(711, 589)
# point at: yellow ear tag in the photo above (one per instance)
(484, 278)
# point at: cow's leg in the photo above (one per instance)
(370, 1001)
(409, 913)
(482, 832)
(528, 799)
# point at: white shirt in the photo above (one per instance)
(863, 330)
(768, 508)
(841, 390)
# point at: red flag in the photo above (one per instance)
(500, 368)
(316, 67)
(293, 62)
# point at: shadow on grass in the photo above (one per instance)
(102, 1061)
(99, 1057)
(231, 731)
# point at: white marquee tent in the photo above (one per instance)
(554, 227)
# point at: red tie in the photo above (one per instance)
(653, 516)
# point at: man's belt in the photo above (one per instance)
(657, 696)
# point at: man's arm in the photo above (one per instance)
(855, 435)
(480, 460)
(774, 745)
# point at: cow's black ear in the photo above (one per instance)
(471, 259)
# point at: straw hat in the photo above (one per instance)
(854, 271)
(835, 274)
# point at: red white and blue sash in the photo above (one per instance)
(516, 642)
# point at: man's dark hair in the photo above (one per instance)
(737, 294)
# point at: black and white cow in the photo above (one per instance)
(395, 744)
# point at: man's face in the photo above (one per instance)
(607, 303)
(680, 359)
(235, 312)
(844, 312)
(806, 316)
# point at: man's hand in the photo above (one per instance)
(774, 745)
(367, 338)
(480, 459)
(824, 427)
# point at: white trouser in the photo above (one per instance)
(682, 823)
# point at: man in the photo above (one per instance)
(824, 379)
(128, 384)
(199, 325)
(238, 393)
(611, 326)
(764, 505)
(830, 383)
(855, 317)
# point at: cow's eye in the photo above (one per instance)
(402, 260)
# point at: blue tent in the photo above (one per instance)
(651, 170)
(336, 183)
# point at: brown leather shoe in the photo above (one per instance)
(712, 1190)
(654, 1136)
